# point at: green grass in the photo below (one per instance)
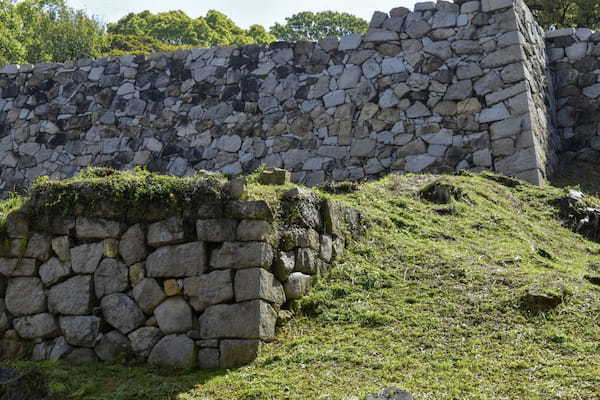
(429, 300)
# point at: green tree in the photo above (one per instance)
(313, 26)
(566, 13)
(12, 49)
(119, 45)
(52, 31)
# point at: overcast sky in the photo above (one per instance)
(243, 12)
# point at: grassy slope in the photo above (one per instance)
(428, 300)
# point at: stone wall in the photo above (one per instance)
(199, 288)
(449, 86)
(575, 61)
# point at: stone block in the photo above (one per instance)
(110, 248)
(208, 358)
(175, 351)
(60, 246)
(148, 295)
(208, 289)
(25, 296)
(142, 340)
(258, 209)
(54, 271)
(111, 276)
(80, 331)
(71, 297)
(275, 176)
(216, 230)
(89, 228)
(39, 326)
(137, 272)
(307, 261)
(297, 285)
(85, 258)
(254, 230)
(177, 261)
(122, 313)
(237, 353)
(239, 255)
(166, 232)
(249, 320)
(112, 346)
(173, 287)
(257, 283)
(38, 247)
(132, 246)
(283, 264)
(174, 315)
(18, 267)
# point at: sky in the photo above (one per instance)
(243, 12)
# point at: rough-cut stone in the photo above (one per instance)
(111, 276)
(121, 312)
(142, 340)
(40, 326)
(236, 353)
(38, 247)
(148, 295)
(80, 356)
(257, 283)
(297, 285)
(54, 271)
(174, 315)
(216, 230)
(88, 228)
(176, 351)
(71, 297)
(208, 289)
(112, 346)
(208, 358)
(253, 230)
(80, 331)
(166, 232)
(283, 264)
(239, 255)
(25, 296)
(177, 261)
(132, 246)
(85, 258)
(249, 320)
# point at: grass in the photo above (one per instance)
(429, 300)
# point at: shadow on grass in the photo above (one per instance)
(104, 381)
(586, 175)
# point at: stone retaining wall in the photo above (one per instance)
(449, 86)
(202, 289)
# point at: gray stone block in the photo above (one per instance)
(85, 258)
(208, 358)
(208, 289)
(174, 315)
(121, 312)
(88, 228)
(111, 276)
(237, 353)
(297, 285)
(148, 294)
(112, 346)
(40, 326)
(132, 246)
(254, 230)
(54, 271)
(257, 283)
(177, 351)
(71, 297)
(166, 232)
(143, 340)
(25, 296)
(239, 255)
(216, 230)
(80, 331)
(249, 320)
(179, 261)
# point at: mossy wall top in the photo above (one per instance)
(439, 89)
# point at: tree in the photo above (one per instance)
(314, 26)
(52, 31)
(566, 13)
(119, 45)
(12, 49)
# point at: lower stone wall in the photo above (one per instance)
(202, 289)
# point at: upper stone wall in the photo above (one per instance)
(439, 89)
(575, 62)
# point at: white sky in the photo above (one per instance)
(242, 12)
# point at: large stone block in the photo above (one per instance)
(257, 209)
(54, 271)
(208, 289)
(297, 285)
(132, 246)
(85, 258)
(239, 255)
(39, 326)
(71, 297)
(18, 267)
(25, 296)
(88, 228)
(254, 230)
(216, 230)
(177, 351)
(38, 247)
(257, 283)
(166, 232)
(180, 261)
(121, 312)
(148, 294)
(237, 353)
(174, 315)
(143, 340)
(111, 276)
(80, 331)
(249, 320)
(112, 346)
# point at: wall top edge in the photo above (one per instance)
(459, 8)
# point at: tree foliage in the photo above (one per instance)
(11, 34)
(314, 26)
(566, 13)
